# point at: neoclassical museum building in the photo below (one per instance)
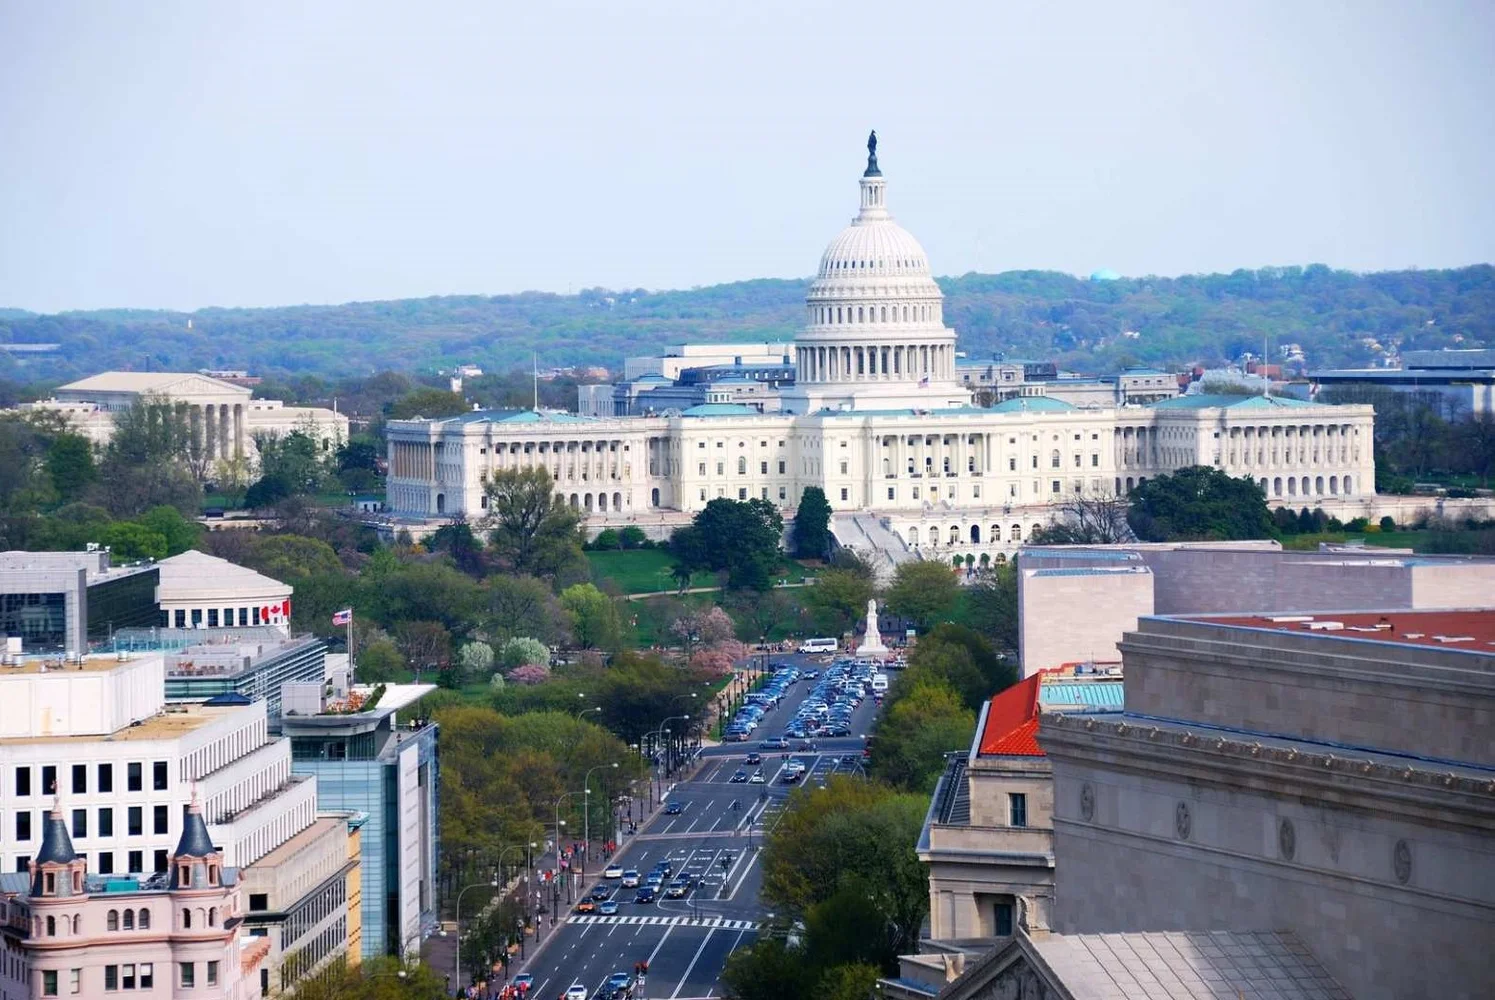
(877, 418)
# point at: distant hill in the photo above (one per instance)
(1336, 316)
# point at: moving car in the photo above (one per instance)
(630, 879)
(757, 777)
(524, 981)
(677, 889)
(673, 809)
(618, 981)
(739, 776)
(791, 775)
(608, 908)
(613, 871)
(576, 991)
(755, 758)
(776, 743)
(586, 906)
(655, 880)
(601, 892)
(645, 895)
(665, 865)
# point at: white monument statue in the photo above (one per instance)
(872, 641)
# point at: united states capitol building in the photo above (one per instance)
(878, 417)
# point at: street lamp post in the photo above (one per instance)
(583, 712)
(458, 916)
(586, 788)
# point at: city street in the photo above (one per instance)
(717, 838)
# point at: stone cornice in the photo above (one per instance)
(1369, 781)
(1461, 672)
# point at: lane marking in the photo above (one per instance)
(691, 967)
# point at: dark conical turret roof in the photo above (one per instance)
(57, 846)
(195, 842)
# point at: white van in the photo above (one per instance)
(879, 683)
(818, 646)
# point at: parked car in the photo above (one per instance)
(755, 758)
(757, 777)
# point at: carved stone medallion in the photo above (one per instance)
(1087, 802)
(1183, 821)
(1401, 861)
(1287, 839)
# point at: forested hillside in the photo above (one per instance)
(1337, 317)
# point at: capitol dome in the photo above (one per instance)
(874, 315)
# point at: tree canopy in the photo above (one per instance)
(812, 536)
(737, 537)
(1200, 502)
(530, 529)
(924, 591)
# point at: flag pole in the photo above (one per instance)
(350, 652)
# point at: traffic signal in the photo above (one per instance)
(726, 861)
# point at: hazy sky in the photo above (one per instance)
(179, 155)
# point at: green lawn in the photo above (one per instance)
(640, 571)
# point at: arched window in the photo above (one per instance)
(1277, 487)
(602, 501)
(954, 534)
(51, 926)
(1334, 485)
(860, 317)
(975, 534)
(884, 314)
(186, 919)
(145, 920)
(617, 501)
(742, 466)
(1054, 459)
(913, 536)
(441, 503)
(1318, 485)
(129, 920)
(1017, 532)
(654, 497)
(212, 916)
(1348, 490)
(111, 920)
(76, 919)
(996, 533)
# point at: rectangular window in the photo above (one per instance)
(106, 862)
(23, 781)
(49, 779)
(763, 468)
(49, 983)
(703, 468)
(781, 468)
(254, 615)
(843, 468)
(742, 493)
(189, 975)
(1011, 464)
(80, 779)
(244, 612)
(916, 492)
(181, 617)
(1094, 461)
(135, 823)
(1018, 808)
(844, 495)
(159, 824)
(127, 976)
(111, 977)
(147, 974)
(259, 900)
(782, 494)
(1002, 919)
(106, 777)
(137, 861)
(160, 862)
(158, 773)
(721, 468)
(196, 617)
(213, 973)
(765, 492)
(106, 822)
(80, 822)
(1054, 487)
(212, 618)
(891, 493)
(23, 825)
(74, 980)
(133, 777)
(703, 494)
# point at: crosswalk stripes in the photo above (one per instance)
(719, 923)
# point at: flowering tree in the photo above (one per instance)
(523, 651)
(703, 628)
(529, 674)
(711, 664)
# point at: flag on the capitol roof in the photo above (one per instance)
(343, 617)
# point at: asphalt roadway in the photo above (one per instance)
(717, 837)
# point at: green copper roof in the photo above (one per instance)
(720, 410)
(1207, 401)
(1032, 404)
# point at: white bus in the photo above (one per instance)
(879, 683)
(818, 646)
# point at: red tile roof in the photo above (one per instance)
(1012, 721)
(1465, 630)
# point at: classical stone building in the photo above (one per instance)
(1326, 776)
(879, 418)
(224, 418)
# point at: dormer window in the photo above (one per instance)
(212, 874)
(49, 885)
(184, 874)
